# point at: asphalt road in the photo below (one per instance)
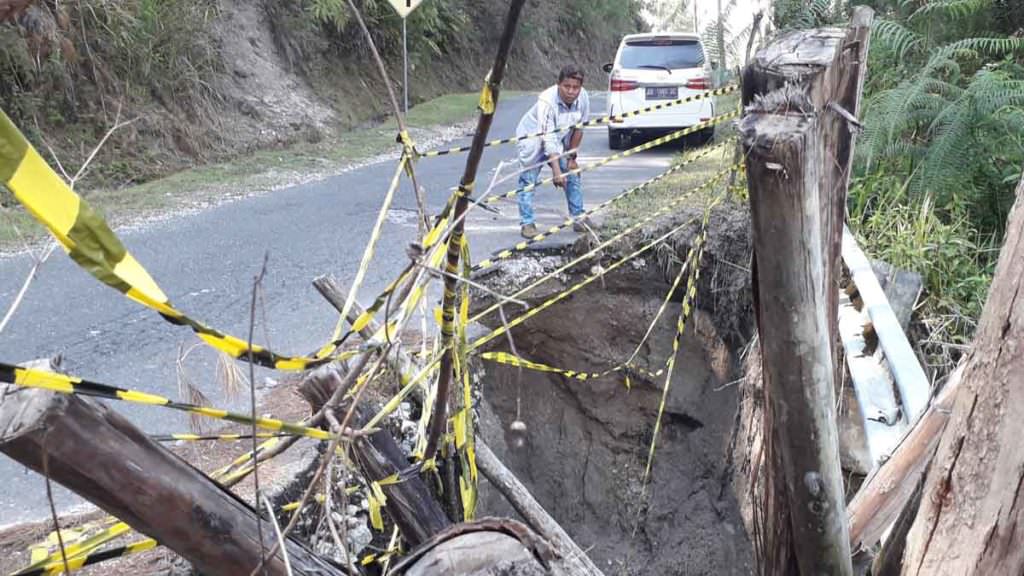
(206, 263)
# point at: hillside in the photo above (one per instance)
(207, 80)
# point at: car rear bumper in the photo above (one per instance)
(681, 116)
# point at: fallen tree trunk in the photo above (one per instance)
(98, 454)
(409, 503)
(971, 519)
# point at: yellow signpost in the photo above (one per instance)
(404, 7)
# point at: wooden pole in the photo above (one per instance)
(575, 561)
(801, 94)
(492, 88)
(98, 454)
(781, 138)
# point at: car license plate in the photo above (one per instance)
(662, 92)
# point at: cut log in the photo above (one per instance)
(98, 454)
(410, 504)
(485, 547)
(971, 519)
(781, 138)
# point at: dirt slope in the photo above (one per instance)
(206, 80)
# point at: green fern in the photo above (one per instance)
(899, 38)
(952, 9)
(804, 14)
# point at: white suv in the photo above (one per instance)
(652, 69)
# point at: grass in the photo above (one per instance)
(635, 207)
(260, 171)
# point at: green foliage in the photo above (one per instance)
(160, 46)
(731, 40)
(803, 14)
(942, 149)
(955, 260)
(333, 12)
(69, 68)
(432, 27)
(599, 18)
(947, 113)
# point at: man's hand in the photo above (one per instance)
(556, 171)
(572, 165)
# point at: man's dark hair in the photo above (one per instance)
(570, 71)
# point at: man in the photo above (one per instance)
(560, 106)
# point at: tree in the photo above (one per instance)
(971, 519)
(670, 15)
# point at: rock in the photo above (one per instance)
(359, 538)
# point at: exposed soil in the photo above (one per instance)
(586, 443)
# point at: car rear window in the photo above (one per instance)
(662, 52)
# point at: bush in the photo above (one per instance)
(943, 246)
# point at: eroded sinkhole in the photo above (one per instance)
(586, 442)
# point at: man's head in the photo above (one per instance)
(570, 82)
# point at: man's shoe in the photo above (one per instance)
(582, 225)
(529, 231)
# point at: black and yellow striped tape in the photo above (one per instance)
(625, 154)
(414, 381)
(52, 568)
(571, 290)
(393, 403)
(606, 119)
(53, 563)
(524, 245)
(214, 437)
(70, 385)
(685, 310)
(625, 366)
(90, 242)
(670, 206)
(371, 245)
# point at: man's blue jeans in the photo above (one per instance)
(573, 192)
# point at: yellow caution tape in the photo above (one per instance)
(596, 121)
(71, 385)
(486, 103)
(670, 206)
(77, 562)
(685, 310)
(625, 154)
(524, 245)
(424, 372)
(624, 366)
(371, 244)
(90, 242)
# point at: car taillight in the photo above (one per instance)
(619, 85)
(700, 83)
